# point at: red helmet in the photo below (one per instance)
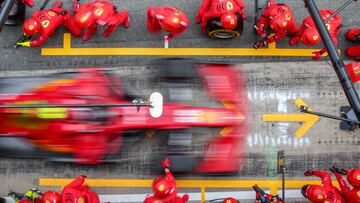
(353, 176)
(352, 34)
(228, 21)
(51, 197)
(315, 193)
(279, 23)
(230, 200)
(353, 70)
(311, 37)
(162, 187)
(32, 27)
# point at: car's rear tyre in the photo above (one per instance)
(177, 68)
(215, 30)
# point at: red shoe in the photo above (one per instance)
(127, 22)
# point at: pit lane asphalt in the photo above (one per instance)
(272, 88)
(137, 36)
(315, 82)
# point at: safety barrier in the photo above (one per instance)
(273, 185)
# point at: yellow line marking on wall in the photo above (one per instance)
(307, 119)
(66, 50)
(273, 185)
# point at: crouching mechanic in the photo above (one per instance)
(276, 22)
(31, 196)
(326, 193)
(90, 15)
(353, 35)
(225, 9)
(168, 18)
(309, 35)
(78, 192)
(262, 197)
(45, 22)
(164, 188)
(353, 177)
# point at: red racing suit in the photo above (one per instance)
(333, 26)
(273, 10)
(99, 12)
(215, 8)
(333, 194)
(353, 51)
(168, 18)
(77, 192)
(351, 195)
(52, 19)
(172, 196)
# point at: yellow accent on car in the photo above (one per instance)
(51, 85)
(51, 113)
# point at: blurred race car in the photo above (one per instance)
(83, 116)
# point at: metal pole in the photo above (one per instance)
(5, 10)
(304, 109)
(338, 64)
(283, 185)
(338, 10)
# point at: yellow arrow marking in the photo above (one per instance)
(308, 119)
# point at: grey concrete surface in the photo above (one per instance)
(272, 88)
(137, 36)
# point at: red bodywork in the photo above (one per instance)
(68, 130)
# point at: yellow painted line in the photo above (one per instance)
(307, 119)
(294, 184)
(66, 50)
(202, 190)
(67, 41)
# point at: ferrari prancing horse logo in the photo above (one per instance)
(45, 23)
(229, 6)
(328, 26)
(99, 11)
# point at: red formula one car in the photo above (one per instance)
(83, 116)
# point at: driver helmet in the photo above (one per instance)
(228, 21)
(162, 187)
(353, 177)
(230, 200)
(51, 197)
(32, 27)
(315, 193)
(279, 23)
(310, 37)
